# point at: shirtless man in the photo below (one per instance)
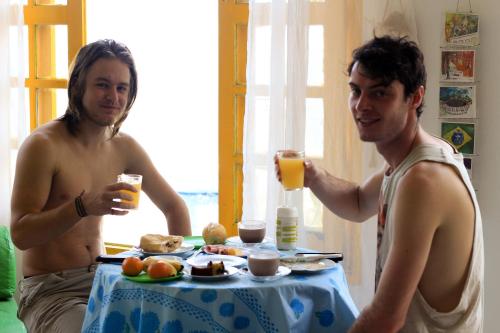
(76, 159)
(430, 246)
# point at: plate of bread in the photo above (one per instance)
(156, 244)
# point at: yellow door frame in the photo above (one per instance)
(233, 22)
(40, 16)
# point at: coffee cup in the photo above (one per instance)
(263, 262)
(252, 231)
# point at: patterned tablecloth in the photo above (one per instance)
(317, 302)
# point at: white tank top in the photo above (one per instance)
(467, 317)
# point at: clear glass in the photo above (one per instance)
(134, 180)
(252, 231)
(291, 165)
(263, 262)
(176, 110)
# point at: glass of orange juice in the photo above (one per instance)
(134, 180)
(291, 164)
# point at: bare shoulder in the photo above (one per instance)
(125, 141)
(45, 139)
(432, 188)
(430, 175)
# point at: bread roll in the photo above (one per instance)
(160, 243)
(214, 233)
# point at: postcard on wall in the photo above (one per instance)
(461, 29)
(460, 135)
(458, 65)
(468, 165)
(457, 102)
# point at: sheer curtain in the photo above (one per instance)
(275, 101)
(280, 112)
(13, 117)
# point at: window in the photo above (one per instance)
(59, 27)
(51, 23)
(175, 114)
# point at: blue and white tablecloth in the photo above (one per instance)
(295, 303)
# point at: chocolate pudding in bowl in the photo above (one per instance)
(263, 262)
(252, 231)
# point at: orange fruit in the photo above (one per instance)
(161, 269)
(132, 266)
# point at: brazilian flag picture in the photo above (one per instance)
(460, 135)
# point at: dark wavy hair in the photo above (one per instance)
(388, 58)
(86, 57)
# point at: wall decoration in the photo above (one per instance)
(457, 101)
(458, 65)
(460, 135)
(461, 29)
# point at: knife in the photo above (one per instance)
(309, 257)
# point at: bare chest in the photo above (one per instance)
(80, 170)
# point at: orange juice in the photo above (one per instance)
(135, 181)
(135, 196)
(292, 172)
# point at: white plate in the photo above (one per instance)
(282, 271)
(310, 267)
(229, 261)
(185, 247)
(243, 251)
(237, 240)
(230, 271)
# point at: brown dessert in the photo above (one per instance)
(212, 269)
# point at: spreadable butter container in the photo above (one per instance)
(286, 228)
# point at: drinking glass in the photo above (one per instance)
(134, 180)
(291, 164)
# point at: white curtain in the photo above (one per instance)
(280, 96)
(275, 102)
(13, 115)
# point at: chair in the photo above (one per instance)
(9, 323)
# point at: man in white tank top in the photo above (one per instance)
(430, 244)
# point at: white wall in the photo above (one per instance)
(429, 19)
(487, 164)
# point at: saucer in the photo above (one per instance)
(237, 240)
(282, 271)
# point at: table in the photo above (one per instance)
(317, 302)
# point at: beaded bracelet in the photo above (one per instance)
(80, 209)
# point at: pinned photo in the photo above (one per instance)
(458, 65)
(460, 135)
(457, 102)
(461, 29)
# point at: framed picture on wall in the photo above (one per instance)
(460, 135)
(457, 101)
(461, 29)
(458, 65)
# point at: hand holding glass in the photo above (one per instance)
(134, 180)
(291, 164)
